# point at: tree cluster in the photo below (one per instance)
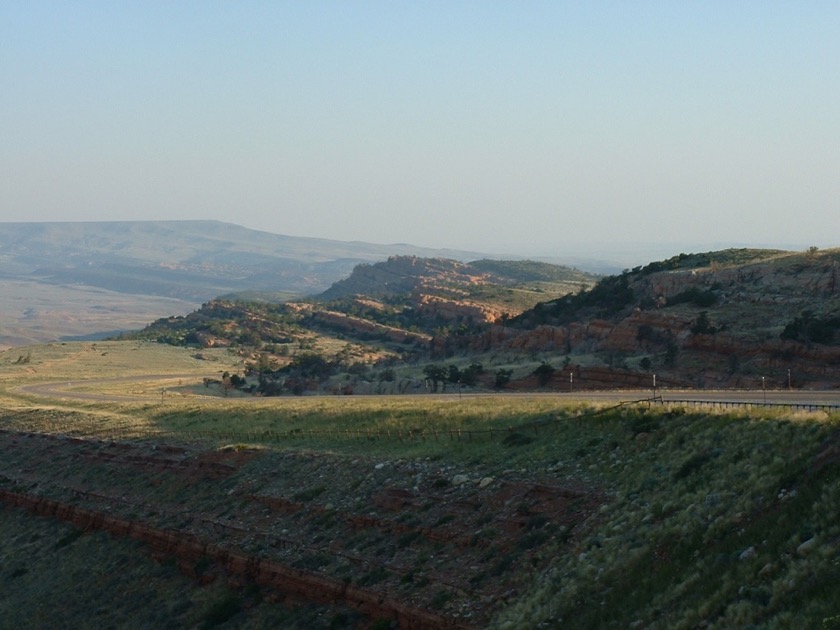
(438, 375)
(810, 328)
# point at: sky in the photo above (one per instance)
(538, 128)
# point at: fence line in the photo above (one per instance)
(734, 404)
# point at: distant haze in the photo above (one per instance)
(618, 130)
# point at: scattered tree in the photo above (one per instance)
(702, 325)
(502, 378)
(470, 374)
(453, 374)
(436, 374)
(543, 372)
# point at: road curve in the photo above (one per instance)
(63, 389)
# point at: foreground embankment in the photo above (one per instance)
(555, 513)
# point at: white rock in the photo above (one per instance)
(807, 547)
(747, 553)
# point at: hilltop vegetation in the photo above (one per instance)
(716, 319)
(493, 283)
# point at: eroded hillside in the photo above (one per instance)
(734, 318)
(720, 319)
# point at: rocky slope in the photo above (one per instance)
(393, 307)
(480, 291)
(412, 541)
(718, 319)
(734, 318)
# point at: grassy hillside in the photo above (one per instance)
(508, 512)
(57, 576)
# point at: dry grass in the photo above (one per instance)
(34, 312)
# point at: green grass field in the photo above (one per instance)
(706, 519)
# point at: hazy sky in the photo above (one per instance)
(530, 127)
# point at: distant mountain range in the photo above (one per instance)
(75, 279)
(189, 260)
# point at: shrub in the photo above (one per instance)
(543, 372)
(439, 600)
(504, 563)
(809, 328)
(515, 438)
(406, 539)
(308, 495)
(221, 610)
(374, 576)
(68, 538)
(202, 564)
(502, 378)
(692, 464)
(643, 424)
(703, 299)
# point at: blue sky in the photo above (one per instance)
(528, 127)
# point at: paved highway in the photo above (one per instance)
(65, 389)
